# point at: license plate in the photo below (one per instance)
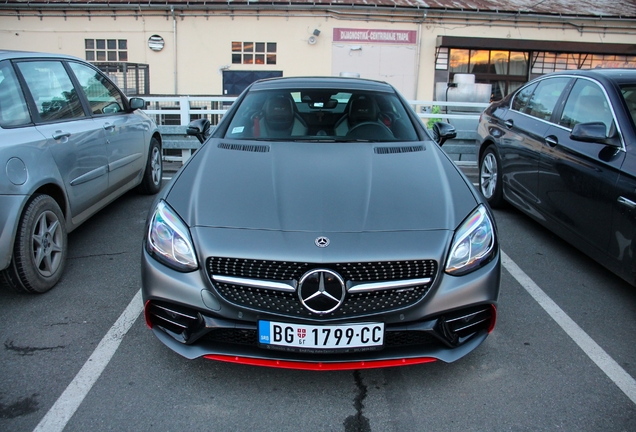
(326, 337)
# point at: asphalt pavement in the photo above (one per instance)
(559, 358)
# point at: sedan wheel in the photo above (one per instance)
(489, 182)
(39, 253)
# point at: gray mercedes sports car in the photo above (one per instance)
(321, 226)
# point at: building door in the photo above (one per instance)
(394, 64)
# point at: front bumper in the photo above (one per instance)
(187, 314)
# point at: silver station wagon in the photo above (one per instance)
(70, 143)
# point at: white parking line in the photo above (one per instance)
(66, 405)
(608, 365)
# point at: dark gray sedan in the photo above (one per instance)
(321, 227)
(70, 143)
(562, 150)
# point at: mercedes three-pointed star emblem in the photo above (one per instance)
(322, 242)
(321, 291)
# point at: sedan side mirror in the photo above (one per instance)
(442, 132)
(199, 128)
(594, 132)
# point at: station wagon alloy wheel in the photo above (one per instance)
(155, 165)
(41, 247)
(47, 244)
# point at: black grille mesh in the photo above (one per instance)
(354, 271)
(287, 303)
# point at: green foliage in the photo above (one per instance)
(434, 110)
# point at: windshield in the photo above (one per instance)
(321, 114)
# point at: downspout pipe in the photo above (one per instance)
(418, 59)
(174, 45)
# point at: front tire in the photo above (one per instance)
(40, 249)
(151, 183)
(490, 177)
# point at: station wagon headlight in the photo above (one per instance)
(169, 241)
(473, 244)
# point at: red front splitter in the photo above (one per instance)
(286, 364)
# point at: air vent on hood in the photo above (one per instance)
(245, 147)
(404, 149)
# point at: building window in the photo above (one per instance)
(254, 53)
(546, 62)
(441, 58)
(505, 70)
(111, 50)
(490, 62)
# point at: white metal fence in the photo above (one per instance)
(173, 113)
(186, 106)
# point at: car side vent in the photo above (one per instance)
(245, 147)
(405, 149)
(458, 327)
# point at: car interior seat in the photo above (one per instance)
(361, 109)
(279, 119)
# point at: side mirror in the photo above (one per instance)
(137, 103)
(442, 132)
(199, 128)
(594, 132)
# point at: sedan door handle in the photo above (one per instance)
(551, 140)
(627, 202)
(509, 124)
(58, 135)
(109, 127)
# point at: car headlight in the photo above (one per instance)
(169, 240)
(473, 244)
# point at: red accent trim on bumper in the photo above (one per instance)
(286, 364)
(146, 315)
(493, 320)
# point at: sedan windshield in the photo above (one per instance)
(321, 115)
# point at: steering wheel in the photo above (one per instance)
(371, 131)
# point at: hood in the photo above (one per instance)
(321, 187)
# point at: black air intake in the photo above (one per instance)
(393, 150)
(245, 147)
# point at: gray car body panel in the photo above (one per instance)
(322, 188)
(39, 162)
(272, 204)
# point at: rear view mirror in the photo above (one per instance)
(594, 132)
(442, 132)
(330, 104)
(137, 103)
(199, 128)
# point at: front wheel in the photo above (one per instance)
(151, 183)
(490, 177)
(39, 253)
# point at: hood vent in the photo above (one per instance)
(245, 147)
(405, 149)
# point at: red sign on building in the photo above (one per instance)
(374, 36)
